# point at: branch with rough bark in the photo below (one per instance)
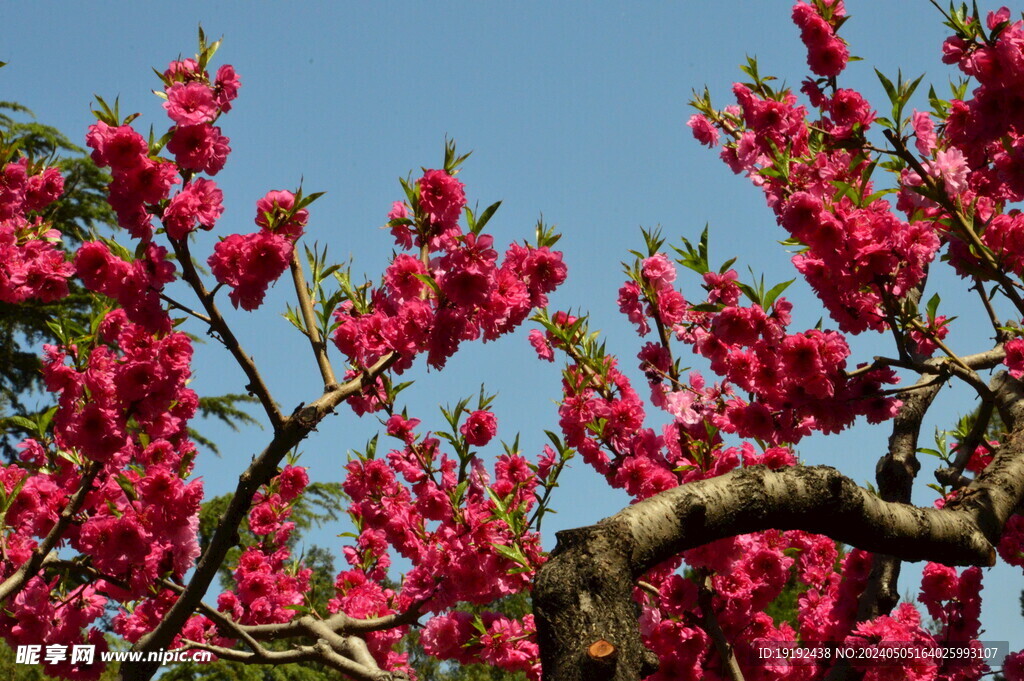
(584, 593)
(895, 475)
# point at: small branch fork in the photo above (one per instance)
(336, 640)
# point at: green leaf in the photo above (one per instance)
(502, 510)
(485, 216)
(774, 292)
(692, 258)
(429, 281)
(22, 422)
(932, 306)
(890, 90)
(513, 553)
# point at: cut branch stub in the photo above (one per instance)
(602, 651)
(587, 626)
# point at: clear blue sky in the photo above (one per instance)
(573, 110)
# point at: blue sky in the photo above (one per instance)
(573, 110)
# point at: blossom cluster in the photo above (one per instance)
(464, 532)
(269, 587)
(113, 475)
(433, 304)
(142, 181)
(250, 263)
(122, 413)
(861, 260)
(110, 482)
(31, 264)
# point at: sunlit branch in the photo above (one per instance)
(309, 320)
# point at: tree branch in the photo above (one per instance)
(583, 593)
(958, 218)
(309, 319)
(895, 475)
(709, 622)
(217, 323)
(339, 623)
(30, 567)
(184, 308)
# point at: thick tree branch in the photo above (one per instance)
(895, 475)
(339, 623)
(583, 594)
(321, 651)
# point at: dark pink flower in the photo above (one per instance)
(275, 212)
(441, 198)
(703, 130)
(479, 428)
(190, 103)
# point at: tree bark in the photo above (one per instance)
(584, 592)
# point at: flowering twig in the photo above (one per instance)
(184, 308)
(953, 475)
(30, 567)
(961, 220)
(709, 622)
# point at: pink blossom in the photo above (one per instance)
(200, 201)
(479, 428)
(199, 147)
(950, 165)
(119, 147)
(226, 87)
(249, 264)
(1014, 359)
(183, 70)
(190, 103)
(924, 131)
(703, 130)
(276, 212)
(441, 198)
